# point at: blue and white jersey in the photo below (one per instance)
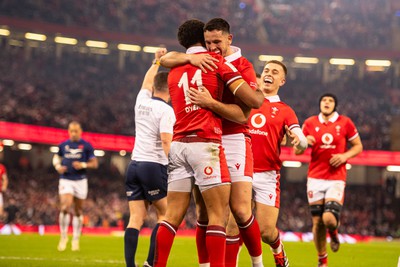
(152, 117)
(75, 151)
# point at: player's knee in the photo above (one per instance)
(241, 214)
(267, 234)
(317, 210)
(332, 214)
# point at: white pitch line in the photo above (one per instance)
(58, 259)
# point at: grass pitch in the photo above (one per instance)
(35, 250)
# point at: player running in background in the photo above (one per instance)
(3, 186)
(146, 176)
(196, 155)
(268, 126)
(237, 145)
(328, 133)
(74, 156)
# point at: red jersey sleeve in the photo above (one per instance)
(228, 72)
(291, 119)
(249, 75)
(351, 130)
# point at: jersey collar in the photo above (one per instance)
(273, 99)
(332, 119)
(237, 53)
(195, 49)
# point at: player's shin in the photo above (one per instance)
(232, 250)
(202, 252)
(77, 222)
(64, 219)
(164, 240)
(250, 233)
(216, 245)
(130, 244)
(150, 256)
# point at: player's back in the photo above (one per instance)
(191, 119)
(149, 111)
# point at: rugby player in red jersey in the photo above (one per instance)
(196, 155)
(328, 134)
(237, 145)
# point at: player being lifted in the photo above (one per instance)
(196, 155)
(146, 177)
(73, 158)
(328, 133)
(235, 141)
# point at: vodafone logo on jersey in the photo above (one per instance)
(208, 170)
(327, 140)
(258, 120)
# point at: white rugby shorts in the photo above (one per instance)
(318, 189)
(239, 156)
(77, 188)
(266, 188)
(205, 161)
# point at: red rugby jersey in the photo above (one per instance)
(191, 119)
(331, 138)
(2, 172)
(267, 129)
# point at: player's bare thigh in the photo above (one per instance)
(216, 200)
(267, 217)
(66, 201)
(240, 200)
(138, 212)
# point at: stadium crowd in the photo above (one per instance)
(35, 194)
(89, 88)
(305, 23)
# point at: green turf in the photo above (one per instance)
(35, 250)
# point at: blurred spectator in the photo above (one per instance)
(305, 23)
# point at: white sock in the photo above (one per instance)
(77, 222)
(257, 261)
(64, 219)
(277, 250)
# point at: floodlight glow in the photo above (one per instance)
(270, 57)
(129, 47)
(96, 44)
(4, 32)
(35, 36)
(342, 61)
(306, 60)
(377, 63)
(65, 40)
(150, 49)
(8, 142)
(54, 149)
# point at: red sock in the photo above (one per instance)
(202, 252)
(164, 240)
(276, 243)
(250, 233)
(215, 240)
(323, 258)
(232, 250)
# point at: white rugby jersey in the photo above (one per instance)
(152, 117)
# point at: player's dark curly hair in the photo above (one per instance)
(160, 83)
(191, 32)
(218, 24)
(329, 95)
